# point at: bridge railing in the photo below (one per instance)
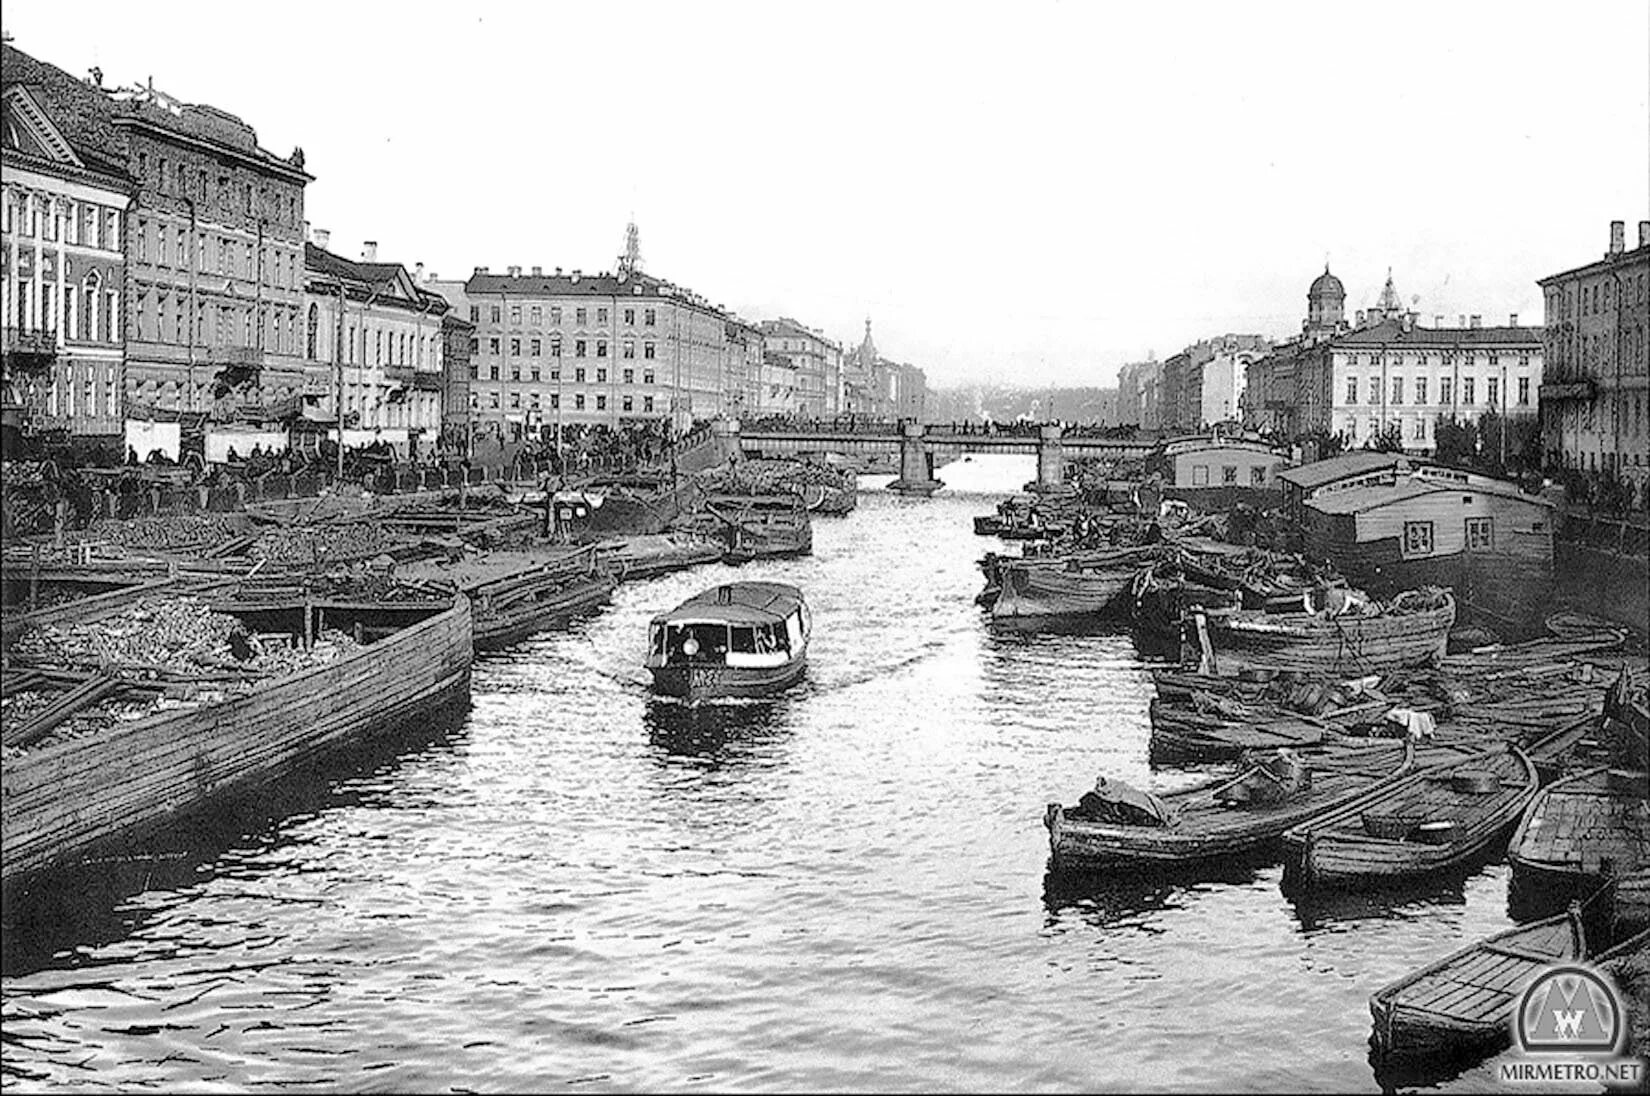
(836, 425)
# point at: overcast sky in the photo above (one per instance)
(1036, 192)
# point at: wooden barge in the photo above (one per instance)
(1085, 584)
(1584, 830)
(1348, 645)
(65, 799)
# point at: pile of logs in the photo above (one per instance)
(169, 532)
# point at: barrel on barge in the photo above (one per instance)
(67, 799)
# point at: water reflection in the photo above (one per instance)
(1325, 910)
(57, 919)
(1108, 898)
(714, 732)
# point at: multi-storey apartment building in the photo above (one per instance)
(215, 254)
(376, 335)
(1595, 401)
(1388, 372)
(457, 338)
(62, 271)
(815, 360)
(592, 348)
(1138, 385)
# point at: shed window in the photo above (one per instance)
(1257, 476)
(1480, 534)
(1417, 539)
(1200, 475)
(1228, 474)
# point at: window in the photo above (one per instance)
(601, 348)
(1466, 391)
(515, 400)
(537, 347)
(1397, 390)
(578, 402)
(1523, 391)
(1352, 390)
(555, 314)
(1228, 474)
(1374, 390)
(579, 316)
(1480, 534)
(578, 348)
(492, 345)
(515, 348)
(647, 352)
(629, 349)
(601, 315)
(555, 399)
(1418, 429)
(601, 376)
(630, 320)
(515, 371)
(495, 313)
(1200, 475)
(648, 317)
(1493, 389)
(647, 378)
(1420, 390)
(1417, 539)
(475, 313)
(535, 371)
(578, 375)
(492, 400)
(515, 314)
(630, 376)
(555, 348)
(533, 398)
(1443, 389)
(537, 314)
(314, 326)
(601, 403)
(630, 403)
(647, 403)
(1257, 476)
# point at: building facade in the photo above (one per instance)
(457, 337)
(374, 337)
(62, 274)
(592, 348)
(815, 364)
(1138, 385)
(215, 259)
(1595, 399)
(1388, 372)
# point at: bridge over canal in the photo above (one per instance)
(917, 446)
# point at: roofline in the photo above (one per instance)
(17, 160)
(1643, 250)
(268, 161)
(1432, 487)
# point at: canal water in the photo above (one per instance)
(570, 884)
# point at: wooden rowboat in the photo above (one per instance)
(1438, 817)
(1464, 1001)
(1344, 646)
(1201, 827)
(1584, 829)
(1088, 584)
(64, 799)
(1183, 735)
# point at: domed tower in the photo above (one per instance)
(1325, 306)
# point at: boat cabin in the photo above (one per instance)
(743, 624)
(1436, 526)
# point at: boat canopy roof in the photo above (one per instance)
(737, 603)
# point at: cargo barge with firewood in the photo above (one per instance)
(118, 726)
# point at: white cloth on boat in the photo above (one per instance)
(1419, 726)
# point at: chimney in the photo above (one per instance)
(1512, 319)
(369, 251)
(1618, 238)
(1437, 319)
(309, 233)
(1475, 320)
(538, 272)
(577, 274)
(1461, 319)
(1360, 317)
(323, 237)
(418, 273)
(481, 270)
(513, 271)
(1644, 233)
(558, 271)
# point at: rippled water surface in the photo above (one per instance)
(572, 884)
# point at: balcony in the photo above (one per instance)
(29, 351)
(240, 357)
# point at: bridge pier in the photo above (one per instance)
(916, 463)
(1051, 457)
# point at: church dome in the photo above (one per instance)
(1327, 285)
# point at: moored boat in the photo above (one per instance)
(1584, 830)
(1438, 817)
(1464, 1001)
(1183, 734)
(1085, 584)
(63, 799)
(742, 639)
(761, 526)
(1412, 630)
(1207, 821)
